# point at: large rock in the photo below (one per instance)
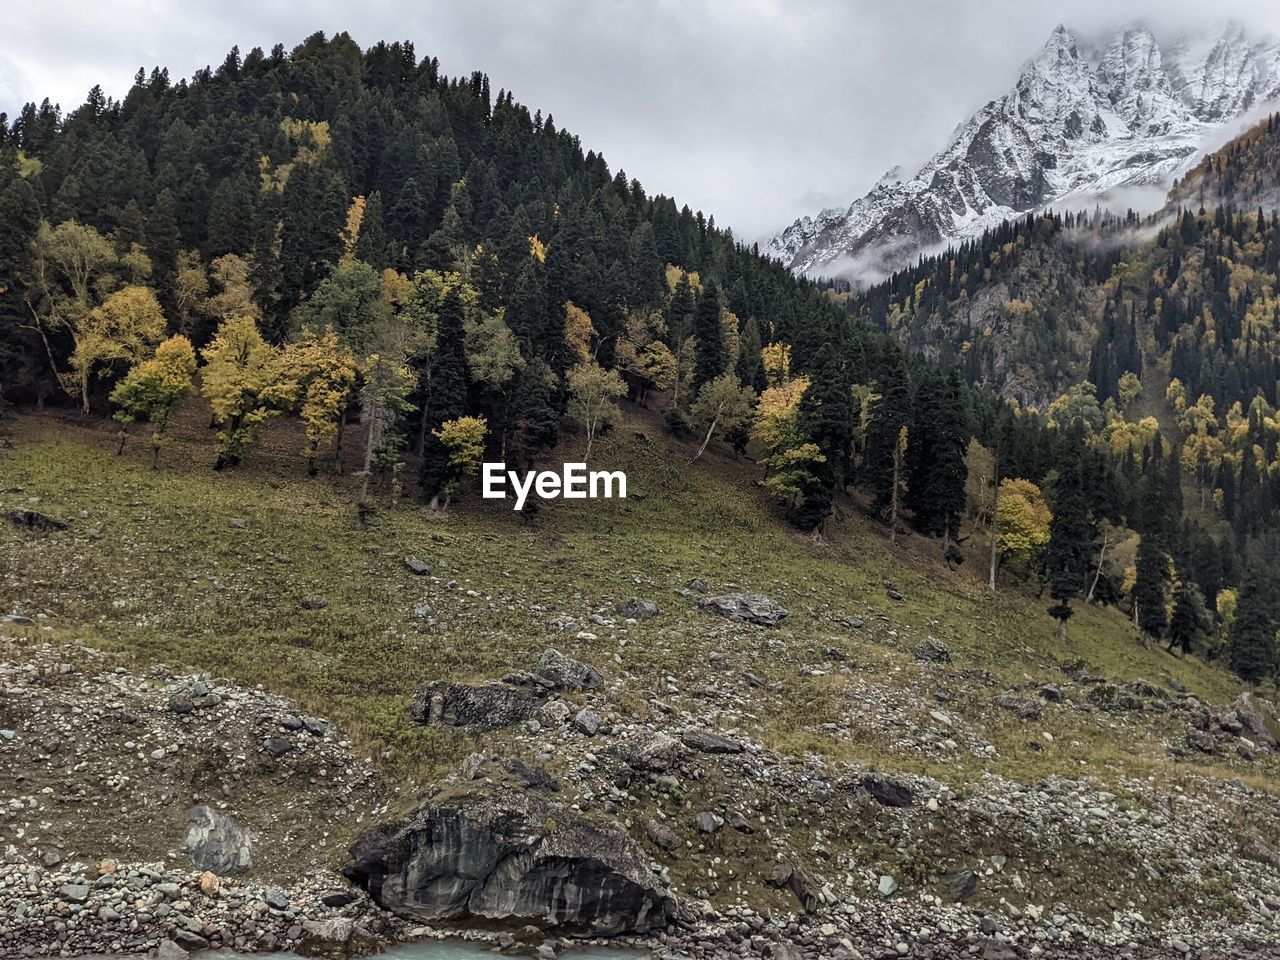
(335, 938)
(35, 520)
(704, 741)
(563, 673)
(1019, 706)
(216, 842)
(514, 858)
(931, 650)
(637, 608)
(887, 791)
(1258, 718)
(653, 752)
(747, 607)
(487, 706)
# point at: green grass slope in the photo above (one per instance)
(153, 565)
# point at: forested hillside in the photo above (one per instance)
(350, 236)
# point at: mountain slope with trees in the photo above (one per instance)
(350, 237)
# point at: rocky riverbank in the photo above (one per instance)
(156, 812)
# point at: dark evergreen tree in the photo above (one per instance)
(1252, 641)
(445, 393)
(710, 358)
(889, 415)
(1070, 536)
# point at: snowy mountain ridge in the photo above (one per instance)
(1075, 125)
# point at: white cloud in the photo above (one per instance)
(751, 110)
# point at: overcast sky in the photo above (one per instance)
(756, 111)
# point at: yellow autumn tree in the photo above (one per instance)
(463, 440)
(324, 372)
(593, 396)
(1022, 522)
(124, 329)
(578, 331)
(153, 389)
(776, 360)
(236, 291)
(350, 232)
(776, 422)
(643, 357)
(245, 383)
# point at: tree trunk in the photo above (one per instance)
(893, 502)
(1062, 630)
(995, 531)
(337, 441)
(707, 439)
(155, 456)
(1102, 555)
(422, 431)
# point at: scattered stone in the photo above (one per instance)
(312, 602)
(887, 791)
(747, 607)
(656, 752)
(1021, 707)
(588, 721)
(564, 673)
(484, 707)
(35, 520)
(887, 886)
(216, 842)
(931, 650)
(704, 741)
(417, 567)
(637, 609)
(708, 822)
(961, 885)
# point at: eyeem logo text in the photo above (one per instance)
(575, 482)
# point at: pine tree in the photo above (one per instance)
(889, 415)
(1151, 588)
(1252, 641)
(445, 393)
(1067, 556)
(371, 247)
(710, 358)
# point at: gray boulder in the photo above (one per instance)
(931, 650)
(1258, 718)
(887, 791)
(1021, 707)
(654, 752)
(216, 842)
(487, 706)
(704, 741)
(35, 520)
(512, 858)
(637, 609)
(747, 607)
(563, 673)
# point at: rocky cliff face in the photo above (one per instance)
(1076, 124)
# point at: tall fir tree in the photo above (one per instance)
(445, 392)
(710, 357)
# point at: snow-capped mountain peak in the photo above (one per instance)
(1074, 124)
